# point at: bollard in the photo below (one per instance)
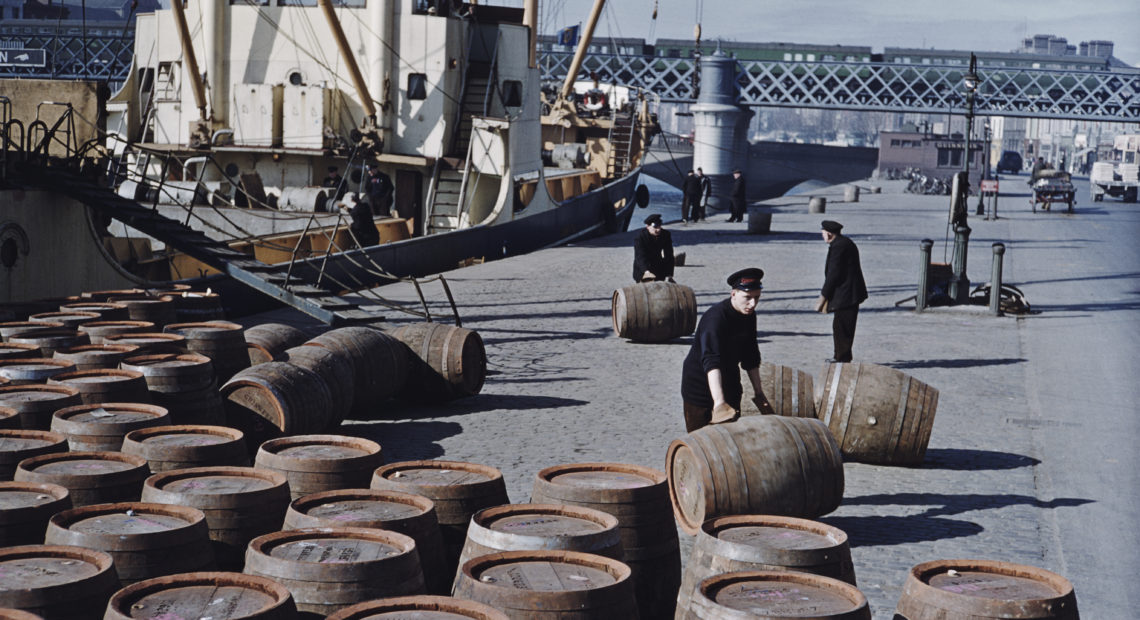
(959, 282)
(759, 220)
(924, 247)
(851, 193)
(995, 280)
(817, 204)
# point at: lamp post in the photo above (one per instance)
(970, 81)
(985, 168)
(959, 282)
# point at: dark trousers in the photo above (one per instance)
(843, 332)
(737, 209)
(696, 417)
(698, 209)
(685, 204)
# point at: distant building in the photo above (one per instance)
(935, 155)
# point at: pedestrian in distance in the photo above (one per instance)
(380, 189)
(690, 196)
(363, 227)
(653, 252)
(724, 344)
(704, 193)
(737, 197)
(334, 181)
(843, 289)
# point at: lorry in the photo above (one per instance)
(1118, 176)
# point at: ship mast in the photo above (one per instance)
(200, 134)
(562, 109)
(368, 127)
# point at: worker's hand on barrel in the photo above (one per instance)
(723, 412)
(648, 276)
(821, 304)
(763, 405)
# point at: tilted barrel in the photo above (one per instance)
(274, 399)
(380, 365)
(447, 362)
(654, 311)
(266, 342)
(336, 370)
(790, 391)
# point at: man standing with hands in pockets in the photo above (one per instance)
(843, 288)
(725, 342)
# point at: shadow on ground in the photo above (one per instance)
(405, 441)
(954, 363)
(956, 459)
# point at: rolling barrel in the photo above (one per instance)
(756, 465)
(639, 498)
(877, 414)
(337, 372)
(25, 508)
(57, 582)
(146, 540)
(379, 365)
(776, 594)
(274, 399)
(195, 595)
(90, 477)
(654, 311)
(419, 608)
(447, 362)
(266, 342)
(328, 569)
(791, 392)
(550, 585)
(19, 444)
(981, 589)
(166, 448)
(763, 542)
(316, 463)
(408, 514)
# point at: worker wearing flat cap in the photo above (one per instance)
(843, 288)
(725, 340)
(653, 252)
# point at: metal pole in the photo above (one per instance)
(995, 280)
(981, 210)
(924, 247)
(959, 282)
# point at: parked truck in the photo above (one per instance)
(1120, 176)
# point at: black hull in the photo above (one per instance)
(773, 167)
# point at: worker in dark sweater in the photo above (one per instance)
(653, 252)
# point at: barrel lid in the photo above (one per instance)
(374, 507)
(337, 545)
(438, 473)
(785, 594)
(17, 440)
(126, 518)
(69, 316)
(687, 486)
(144, 338)
(775, 532)
(15, 495)
(217, 480)
(94, 325)
(91, 306)
(47, 334)
(544, 520)
(97, 349)
(154, 364)
(17, 614)
(16, 394)
(204, 327)
(112, 418)
(1003, 585)
(9, 347)
(35, 567)
(17, 366)
(317, 452)
(216, 595)
(98, 375)
(545, 571)
(421, 607)
(81, 464)
(602, 475)
(184, 435)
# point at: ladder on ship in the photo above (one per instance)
(621, 143)
(275, 281)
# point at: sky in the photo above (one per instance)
(973, 25)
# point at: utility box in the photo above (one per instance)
(309, 110)
(257, 114)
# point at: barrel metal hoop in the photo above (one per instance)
(795, 390)
(810, 496)
(897, 427)
(831, 394)
(445, 353)
(845, 421)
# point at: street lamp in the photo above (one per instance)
(959, 282)
(985, 168)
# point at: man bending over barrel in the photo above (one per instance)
(653, 252)
(725, 339)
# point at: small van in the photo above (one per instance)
(1010, 162)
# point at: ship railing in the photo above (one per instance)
(41, 137)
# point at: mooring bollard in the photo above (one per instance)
(959, 282)
(995, 280)
(924, 247)
(817, 204)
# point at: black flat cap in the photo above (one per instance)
(831, 226)
(654, 219)
(737, 171)
(332, 168)
(747, 279)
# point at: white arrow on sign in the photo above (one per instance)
(22, 57)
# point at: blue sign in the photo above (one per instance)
(23, 58)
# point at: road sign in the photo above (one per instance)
(23, 58)
(990, 185)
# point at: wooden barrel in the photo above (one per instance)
(91, 477)
(154, 309)
(791, 392)
(328, 569)
(654, 311)
(57, 582)
(104, 295)
(37, 403)
(105, 385)
(25, 508)
(9, 418)
(195, 307)
(639, 498)
(19, 444)
(221, 341)
(763, 542)
(458, 489)
(71, 319)
(447, 362)
(150, 342)
(535, 527)
(146, 540)
(183, 383)
(107, 311)
(266, 342)
(379, 362)
(240, 503)
(316, 463)
(52, 338)
(539, 585)
(98, 331)
(95, 356)
(877, 414)
(776, 594)
(980, 589)
(408, 514)
(12, 350)
(335, 369)
(274, 399)
(17, 614)
(756, 465)
(33, 371)
(167, 448)
(8, 329)
(102, 427)
(420, 608)
(189, 595)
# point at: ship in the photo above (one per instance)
(243, 142)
